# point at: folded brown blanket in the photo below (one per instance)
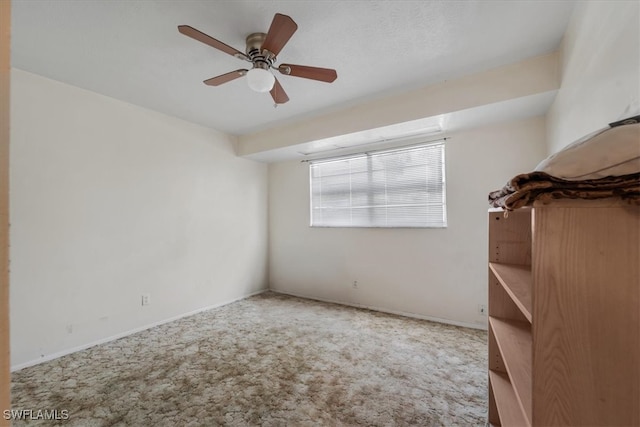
(524, 189)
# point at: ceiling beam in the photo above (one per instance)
(529, 77)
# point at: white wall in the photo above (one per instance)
(600, 71)
(436, 273)
(109, 201)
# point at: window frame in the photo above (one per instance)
(368, 190)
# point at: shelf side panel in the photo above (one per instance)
(586, 329)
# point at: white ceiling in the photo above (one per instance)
(132, 51)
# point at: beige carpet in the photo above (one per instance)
(270, 360)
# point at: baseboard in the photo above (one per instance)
(385, 310)
(59, 354)
(66, 352)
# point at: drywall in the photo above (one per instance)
(600, 60)
(110, 201)
(532, 76)
(5, 59)
(433, 273)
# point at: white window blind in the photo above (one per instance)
(391, 188)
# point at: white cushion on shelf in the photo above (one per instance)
(613, 151)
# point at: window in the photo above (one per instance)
(391, 188)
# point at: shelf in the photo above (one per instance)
(514, 342)
(517, 280)
(571, 358)
(509, 410)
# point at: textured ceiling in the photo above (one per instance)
(132, 51)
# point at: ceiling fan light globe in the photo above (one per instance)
(260, 80)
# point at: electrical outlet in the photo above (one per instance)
(146, 299)
(355, 284)
(69, 328)
(482, 309)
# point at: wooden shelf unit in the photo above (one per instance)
(564, 322)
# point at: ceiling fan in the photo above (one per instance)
(262, 50)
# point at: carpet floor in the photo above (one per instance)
(270, 360)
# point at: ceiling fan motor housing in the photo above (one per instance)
(260, 58)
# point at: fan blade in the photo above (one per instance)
(202, 37)
(281, 29)
(278, 94)
(314, 73)
(224, 78)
